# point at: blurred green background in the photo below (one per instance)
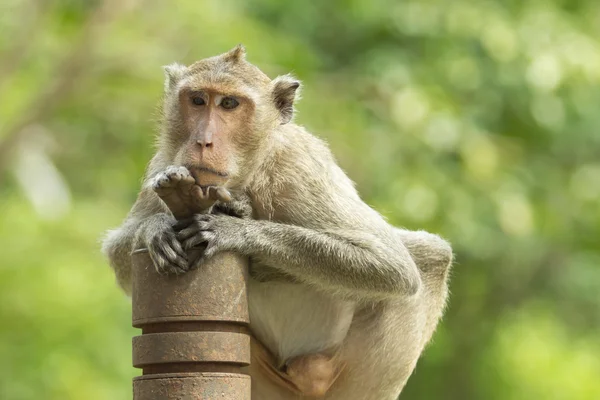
(475, 119)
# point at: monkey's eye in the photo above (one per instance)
(229, 103)
(199, 101)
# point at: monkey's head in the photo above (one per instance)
(219, 113)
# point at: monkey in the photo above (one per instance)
(341, 303)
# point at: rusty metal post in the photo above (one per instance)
(195, 340)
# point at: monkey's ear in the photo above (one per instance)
(236, 54)
(173, 74)
(284, 93)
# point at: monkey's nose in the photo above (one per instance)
(204, 143)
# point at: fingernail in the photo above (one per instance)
(223, 194)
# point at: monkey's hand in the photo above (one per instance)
(217, 232)
(238, 207)
(158, 236)
(178, 190)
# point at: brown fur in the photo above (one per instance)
(341, 302)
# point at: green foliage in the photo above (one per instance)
(474, 119)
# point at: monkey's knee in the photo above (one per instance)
(429, 251)
(313, 374)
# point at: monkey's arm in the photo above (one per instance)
(352, 260)
(346, 260)
(432, 254)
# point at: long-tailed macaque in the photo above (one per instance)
(341, 302)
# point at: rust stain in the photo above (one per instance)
(195, 341)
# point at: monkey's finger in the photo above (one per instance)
(168, 252)
(166, 264)
(183, 223)
(175, 254)
(200, 238)
(195, 253)
(219, 193)
(200, 260)
(179, 174)
(188, 222)
(168, 243)
(161, 264)
(192, 230)
(201, 197)
(199, 193)
(172, 269)
(176, 246)
(186, 181)
(165, 250)
(209, 252)
(181, 264)
(174, 170)
(157, 260)
(195, 240)
(162, 181)
(176, 266)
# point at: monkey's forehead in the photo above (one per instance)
(219, 70)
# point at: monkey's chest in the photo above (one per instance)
(293, 319)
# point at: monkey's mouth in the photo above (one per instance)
(196, 170)
(205, 176)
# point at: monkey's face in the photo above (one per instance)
(220, 112)
(214, 120)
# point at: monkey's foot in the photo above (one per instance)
(178, 190)
(313, 374)
(309, 375)
(174, 186)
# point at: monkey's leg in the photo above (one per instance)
(431, 253)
